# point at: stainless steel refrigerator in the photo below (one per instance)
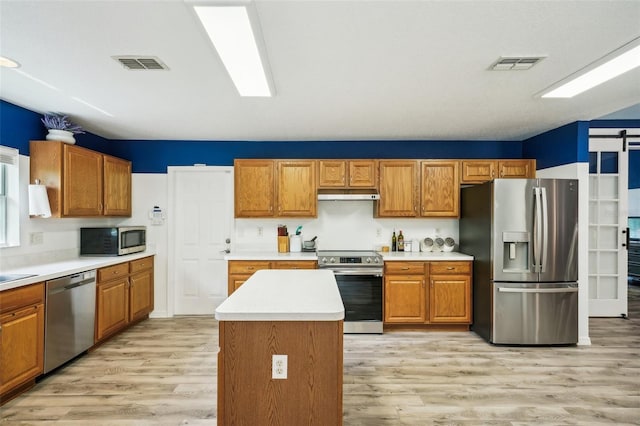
(523, 234)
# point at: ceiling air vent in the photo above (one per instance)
(515, 63)
(141, 62)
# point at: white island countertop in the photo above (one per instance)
(285, 295)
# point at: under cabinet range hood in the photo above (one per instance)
(348, 195)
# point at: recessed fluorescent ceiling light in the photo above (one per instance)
(230, 32)
(617, 63)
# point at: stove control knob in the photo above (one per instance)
(376, 260)
(323, 260)
(368, 260)
(332, 260)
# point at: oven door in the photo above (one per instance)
(361, 293)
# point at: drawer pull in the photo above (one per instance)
(250, 268)
(450, 268)
(405, 268)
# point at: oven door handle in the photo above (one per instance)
(376, 273)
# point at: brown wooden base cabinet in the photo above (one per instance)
(124, 295)
(312, 392)
(241, 270)
(21, 339)
(430, 294)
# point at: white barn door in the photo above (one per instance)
(200, 223)
(608, 198)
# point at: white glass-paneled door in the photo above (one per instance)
(200, 227)
(608, 198)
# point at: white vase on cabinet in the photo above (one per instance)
(61, 135)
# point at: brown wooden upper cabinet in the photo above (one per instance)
(275, 188)
(297, 194)
(398, 188)
(81, 182)
(255, 187)
(347, 174)
(117, 186)
(439, 188)
(477, 171)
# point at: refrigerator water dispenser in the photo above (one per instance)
(515, 251)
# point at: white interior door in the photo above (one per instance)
(200, 223)
(608, 192)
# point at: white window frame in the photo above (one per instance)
(9, 197)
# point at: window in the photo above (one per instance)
(9, 198)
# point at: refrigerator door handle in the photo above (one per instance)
(538, 290)
(537, 229)
(545, 231)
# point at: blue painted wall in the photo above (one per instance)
(22, 125)
(19, 125)
(634, 169)
(565, 145)
(155, 156)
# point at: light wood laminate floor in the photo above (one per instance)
(163, 372)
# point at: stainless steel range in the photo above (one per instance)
(359, 278)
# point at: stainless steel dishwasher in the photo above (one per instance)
(70, 310)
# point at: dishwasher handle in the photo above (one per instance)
(70, 282)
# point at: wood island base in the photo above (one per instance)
(312, 391)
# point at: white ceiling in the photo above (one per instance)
(342, 70)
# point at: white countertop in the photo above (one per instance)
(285, 295)
(270, 255)
(387, 256)
(424, 256)
(48, 271)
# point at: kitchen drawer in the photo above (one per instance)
(111, 272)
(247, 266)
(22, 296)
(141, 264)
(412, 268)
(449, 267)
(300, 264)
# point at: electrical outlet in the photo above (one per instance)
(36, 238)
(279, 367)
(378, 232)
(260, 231)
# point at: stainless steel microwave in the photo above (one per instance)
(112, 241)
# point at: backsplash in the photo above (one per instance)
(341, 225)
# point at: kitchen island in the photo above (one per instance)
(297, 314)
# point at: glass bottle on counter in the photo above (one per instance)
(400, 242)
(393, 241)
